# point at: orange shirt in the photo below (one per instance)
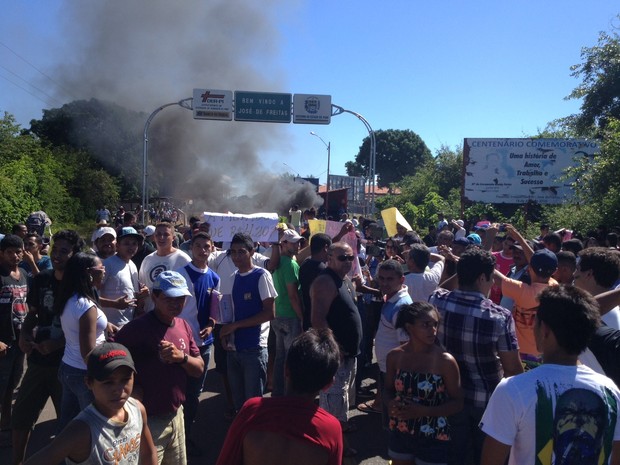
(524, 311)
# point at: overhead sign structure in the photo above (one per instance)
(519, 170)
(268, 107)
(312, 109)
(213, 104)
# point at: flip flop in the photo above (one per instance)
(368, 407)
(348, 427)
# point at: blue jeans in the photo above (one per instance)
(285, 329)
(193, 390)
(467, 437)
(75, 394)
(247, 374)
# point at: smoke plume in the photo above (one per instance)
(146, 53)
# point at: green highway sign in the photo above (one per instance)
(268, 107)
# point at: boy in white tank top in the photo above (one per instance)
(113, 429)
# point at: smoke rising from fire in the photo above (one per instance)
(146, 53)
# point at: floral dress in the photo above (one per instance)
(426, 389)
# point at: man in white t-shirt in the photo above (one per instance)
(421, 280)
(562, 412)
(165, 258)
(120, 288)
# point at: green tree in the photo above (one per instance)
(27, 177)
(399, 153)
(600, 83)
(108, 133)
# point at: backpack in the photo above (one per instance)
(37, 222)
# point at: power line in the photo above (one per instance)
(67, 92)
(31, 85)
(25, 90)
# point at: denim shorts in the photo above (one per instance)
(404, 446)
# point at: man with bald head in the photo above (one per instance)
(333, 306)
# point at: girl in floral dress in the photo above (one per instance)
(423, 388)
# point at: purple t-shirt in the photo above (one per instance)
(163, 384)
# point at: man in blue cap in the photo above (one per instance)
(165, 354)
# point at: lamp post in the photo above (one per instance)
(338, 110)
(185, 103)
(329, 146)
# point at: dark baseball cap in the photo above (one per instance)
(107, 357)
(544, 261)
(461, 241)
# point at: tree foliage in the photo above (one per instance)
(433, 189)
(399, 153)
(19, 160)
(36, 176)
(109, 133)
(600, 83)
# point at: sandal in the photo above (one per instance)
(368, 407)
(348, 427)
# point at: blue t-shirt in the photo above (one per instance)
(247, 302)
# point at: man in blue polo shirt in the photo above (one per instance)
(253, 296)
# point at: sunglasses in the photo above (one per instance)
(344, 258)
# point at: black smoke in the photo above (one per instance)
(146, 53)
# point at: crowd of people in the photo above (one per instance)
(489, 346)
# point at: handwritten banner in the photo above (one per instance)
(260, 226)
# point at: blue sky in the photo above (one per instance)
(446, 70)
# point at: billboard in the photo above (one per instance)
(520, 170)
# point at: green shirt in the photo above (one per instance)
(287, 273)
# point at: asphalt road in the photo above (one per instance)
(211, 425)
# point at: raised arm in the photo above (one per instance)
(519, 239)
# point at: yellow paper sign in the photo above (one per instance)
(391, 216)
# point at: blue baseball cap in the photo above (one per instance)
(171, 284)
(128, 231)
(474, 239)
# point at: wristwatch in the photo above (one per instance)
(184, 361)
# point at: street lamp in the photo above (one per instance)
(337, 110)
(329, 146)
(185, 103)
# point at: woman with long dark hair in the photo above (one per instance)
(84, 325)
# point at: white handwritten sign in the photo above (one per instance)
(260, 226)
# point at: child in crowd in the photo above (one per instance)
(113, 429)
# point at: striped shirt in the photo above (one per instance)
(474, 329)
